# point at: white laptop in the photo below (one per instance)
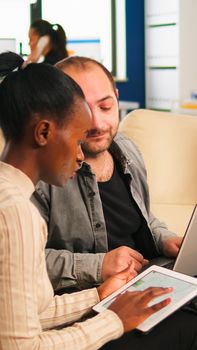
(186, 260)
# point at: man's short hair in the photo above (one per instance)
(83, 63)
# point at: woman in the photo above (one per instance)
(47, 40)
(44, 118)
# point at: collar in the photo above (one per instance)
(18, 178)
(117, 152)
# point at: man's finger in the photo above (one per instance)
(136, 255)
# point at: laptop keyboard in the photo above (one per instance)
(169, 265)
(160, 261)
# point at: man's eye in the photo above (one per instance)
(105, 108)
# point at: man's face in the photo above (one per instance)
(103, 103)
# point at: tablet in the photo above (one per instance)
(184, 289)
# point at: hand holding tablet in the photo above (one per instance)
(132, 307)
(143, 302)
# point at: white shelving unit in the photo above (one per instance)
(127, 106)
(171, 53)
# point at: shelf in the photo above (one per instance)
(160, 67)
(161, 25)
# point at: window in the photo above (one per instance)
(14, 24)
(93, 28)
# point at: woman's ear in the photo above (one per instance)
(43, 131)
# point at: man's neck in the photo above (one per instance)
(102, 166)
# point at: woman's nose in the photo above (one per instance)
(80, 156)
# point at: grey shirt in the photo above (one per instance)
(77, 238)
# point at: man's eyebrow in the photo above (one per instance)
(105, 98)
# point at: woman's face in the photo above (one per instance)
(33, 39)
(63, 155)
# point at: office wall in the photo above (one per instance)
(134, 88)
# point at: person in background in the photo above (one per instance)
(101, 221)
(47, 40)
(44, 118)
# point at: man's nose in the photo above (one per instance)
(97, 122)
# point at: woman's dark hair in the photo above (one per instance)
(38, 89)
(56, 34)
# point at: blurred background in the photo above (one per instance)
(148, 45)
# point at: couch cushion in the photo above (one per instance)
(168, 143)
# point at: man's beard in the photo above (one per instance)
(93, 147)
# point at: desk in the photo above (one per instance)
(126, 106)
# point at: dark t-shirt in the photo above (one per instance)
(124, 221)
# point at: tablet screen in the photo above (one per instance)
(183, 290)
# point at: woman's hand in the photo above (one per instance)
(132, 307)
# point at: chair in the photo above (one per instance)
(168, 143)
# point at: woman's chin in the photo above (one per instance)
(73, 175)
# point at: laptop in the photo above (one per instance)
(186, 261)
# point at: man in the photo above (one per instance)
(101, 221)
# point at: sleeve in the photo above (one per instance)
(77, 270)
(158, 228)
(67, 269)
(90, 334)
(160, 231)
(24, 292)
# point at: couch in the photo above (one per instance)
(168, 143)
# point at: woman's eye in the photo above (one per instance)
(80, 142)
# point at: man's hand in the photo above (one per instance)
(115, 282)
(171, 246)
(120, 258)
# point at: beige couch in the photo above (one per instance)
(168, 143)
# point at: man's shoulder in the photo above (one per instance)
(129, 151)
(45, 192)
(127, 146)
